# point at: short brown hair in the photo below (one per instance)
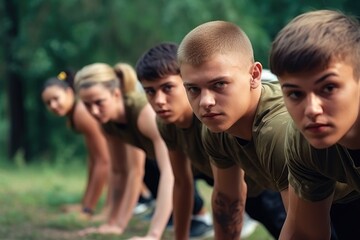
(313, 39)
(215, 37)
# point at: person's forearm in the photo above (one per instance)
(183, 205)
(163, 205)
(98, 177)
(117, 194)
(132, 191)
(228, 216)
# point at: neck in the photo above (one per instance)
(120, 116)
(243, 126)
(352, 138)
(186, 120)
(72, 105)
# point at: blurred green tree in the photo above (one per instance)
(40, 38)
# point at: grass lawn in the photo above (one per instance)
(30, 200)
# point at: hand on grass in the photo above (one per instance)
(103, 229)
(87, 231)
(110, 229)
(144, 238)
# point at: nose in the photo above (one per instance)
(160, 98)
(207, 99)
(313, 106)
(53, 104)
(94, 110)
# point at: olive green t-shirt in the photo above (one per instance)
(316, 173)
(188, 141)
(129, 132)
(262, 158)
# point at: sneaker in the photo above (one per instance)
(249, 226)
(200, 230)
(140, 208)
(143, 205)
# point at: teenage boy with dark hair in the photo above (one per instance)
(159, 74)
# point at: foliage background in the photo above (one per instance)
(40, 38)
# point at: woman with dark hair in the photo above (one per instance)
(59, 97)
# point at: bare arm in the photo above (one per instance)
(228, 202)
(183, 196)
(148, 127)
(98, 154)
(305, 219)
(127, 174)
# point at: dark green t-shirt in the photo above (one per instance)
(188, 141)
(129, 132)
(262, 158)
(316, 173)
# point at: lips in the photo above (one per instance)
(316, 127)
(163, 113)
(210, 115)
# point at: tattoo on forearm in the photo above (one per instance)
(228, 215)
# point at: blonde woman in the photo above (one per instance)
(127, 118)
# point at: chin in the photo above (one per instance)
(167, 120)
(103, 121)
(215, 129)
(60, 114)
(321, 143)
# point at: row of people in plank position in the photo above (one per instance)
(281, 151)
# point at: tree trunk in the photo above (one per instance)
(17, 131)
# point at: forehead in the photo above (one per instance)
(94, 90)
(52, 90)
(336, 68)
(158, 83)
(219, 65)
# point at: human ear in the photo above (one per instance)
(255, 75)
(117, 93)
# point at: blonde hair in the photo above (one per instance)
(121, 76)
(127, 75)
(215, 37)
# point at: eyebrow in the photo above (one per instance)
(148, 88)
(189, 84)
(221, 78)
(320, 80)
(162, 85)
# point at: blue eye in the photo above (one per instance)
(220, 85)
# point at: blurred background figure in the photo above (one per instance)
(59, 97)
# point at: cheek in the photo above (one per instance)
(193, 107)
(191, 100)
(295, 111)
(108, 107)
